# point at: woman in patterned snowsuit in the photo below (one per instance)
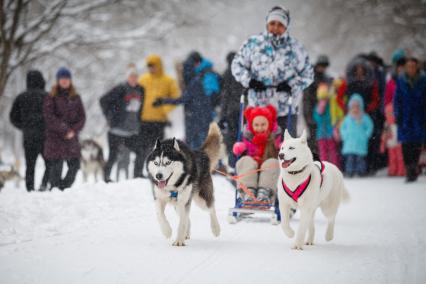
(275, 67)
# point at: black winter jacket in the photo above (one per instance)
(113, 104)
(27, 109)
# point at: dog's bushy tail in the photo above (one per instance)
(213, 145)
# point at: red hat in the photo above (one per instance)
(268, 112)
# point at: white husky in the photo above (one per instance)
(307, 185)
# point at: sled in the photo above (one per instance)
(250, 210)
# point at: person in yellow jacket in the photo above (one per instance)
(157, 85)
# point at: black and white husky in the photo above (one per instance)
(181, 175)
(92, 159)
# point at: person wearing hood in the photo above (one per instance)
(157, 85)
(198, 99)
(410, 114)
(398, 62)
(230, 107)
(275, 67)
(360, 79)
(27, 115)
(310, 98)
(355, 131)
(122, 107)
(65, 117)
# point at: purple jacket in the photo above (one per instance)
(61, 114)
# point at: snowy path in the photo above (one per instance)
(109, 234)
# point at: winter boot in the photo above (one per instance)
(263, 194)
(249, 198)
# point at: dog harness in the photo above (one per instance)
(173, 194)
(301, 188)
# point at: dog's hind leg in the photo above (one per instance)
(311, 231)
(84, 176)
(203, 204)
(214, 223)
(329, 234)
(329, 208)
(285, 222)
(164, 224)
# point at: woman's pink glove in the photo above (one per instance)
(239, 148)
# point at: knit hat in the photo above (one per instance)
(322, 60)
(131, 70)
(397, 55)
(268, 112)
(63, 73)
(279, 14)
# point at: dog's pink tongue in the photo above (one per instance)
(285, 164)
(162, 184)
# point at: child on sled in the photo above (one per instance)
(259, 150)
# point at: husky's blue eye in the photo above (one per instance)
(156, 163)
(168, 163)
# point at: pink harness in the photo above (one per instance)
(295, 195)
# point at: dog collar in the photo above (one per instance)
(173, 194)
(298, 172)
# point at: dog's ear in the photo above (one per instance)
(157, 144)
(176, 144)
(303, 138)
(287, 135)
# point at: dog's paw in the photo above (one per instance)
(297, 247)
(329, 235)
(309, 243)
(288, 231)
(188, 237)
(166, 230)
(179, 243)
(216, 230)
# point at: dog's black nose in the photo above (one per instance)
(281, 156)
(159, 176)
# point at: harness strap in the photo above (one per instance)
(242, 186)
(322, 168)
(173, 194)
(295, 195)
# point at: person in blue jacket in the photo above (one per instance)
(355, 132)
(199, 99)
(410, 114)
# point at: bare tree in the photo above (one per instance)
(32, 29)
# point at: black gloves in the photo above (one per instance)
(158, 102)
(283, 87)
(257, 85)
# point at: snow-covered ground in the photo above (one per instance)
(98, 233)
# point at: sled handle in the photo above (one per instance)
(241, 119)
